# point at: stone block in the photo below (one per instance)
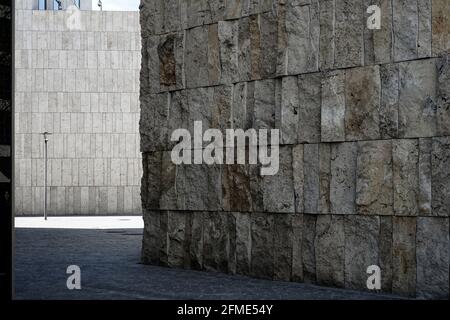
(417, 99)
(298, 177)
(171, 61)
(236, 188)
(290, 105)
(297, 250)
(432, 258)
(440, 179)
(424, 28)
(228, 32)
(216, 241)
(374, 193)
(329, 250)
(424, 169)
(151, 241)
(264, 104)
(269, 34)
(309, 248)
(196, 57)
(362, 94)
(389, 74)
(443, 96)
(404, 256)
(349, 22)
(405, 160)
(239, 261)
(406, 28)
(283, 247)
(309, 113)
(311, 178)
(343, 178)
(151, 187)
(262, 261)
(176, 237)
(333, 107)
(194, 240)
(440, 27)
(361, 249)
(385, 253)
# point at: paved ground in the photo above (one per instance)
(110, 269)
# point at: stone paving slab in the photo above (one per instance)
(111, 269)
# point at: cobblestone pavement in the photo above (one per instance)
(110, 269)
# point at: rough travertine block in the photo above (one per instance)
(432, 258)
(262, 245)
(327, 34)
(302, 28)
(404, 255)
(228, 37)
(324, 178)
(279, 188)
(378, 43)
(361, 248)
(374, 194)
(176, 237)
(405, 159)
(194, 240)
(309, 114)
(424, 25)
(424, 168)
(309, 248)
(417, 99)
(440, 27)
(311, 178)
(171, 58)
(333, 107)
(151, 238)
(362, 109)
(268, 41)
(406, 27)
(297, 250)
(443, 96)
(343, 178)
(283, 246)
(196, 57)
(329, 248)
(298, 177)
(385, 252)
(264, 104)
(216, 242)
(440, 180)
(153, 122)
(240, 243)
(389, 74)
(151, 180)
(236, 189)
(349, 44)
(290, 105)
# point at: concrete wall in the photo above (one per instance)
(364, 117)
(77, 76)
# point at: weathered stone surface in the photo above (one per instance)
(168, 190)
(404, 255)
(389, 101)
(424, 33)
(297, 250)
(327, 34)
(374, 194)
(440, 180)
(406, 26)
(153, 122)
(214, 67)
(283, 246)
(194, 240)
(199, 187)
(150, 62)
(228, 38)
(333, 107)
(405, 159)
(244, 49)
(171, 61)
(311, 177)
(215, 242)
(302, 28)
(432, 258)
(378, 43)
(164, 239)
(290, 105)
(343, 178)
(362, 93)
(309, 114)
(151, 17)
(308, 248)
(443, 96)
(424, 203)
(240, 246)
(324, 178)
(385, 253)
(417, 100)
(264, 104)
(268, 29)
(361, 249)
(329, 248)
(440, 27)
(151, 242)
(172, 18)
(262, 245)
(236, 189)
(150, 186)
(298, 177)
(196, 57)
(279, 188)
(199, 12)
(176, 232)
(348, 34)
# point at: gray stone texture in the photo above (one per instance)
(364, 149)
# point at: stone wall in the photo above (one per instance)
(77, 76)
(364, 117)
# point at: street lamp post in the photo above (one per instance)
(45, 134)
